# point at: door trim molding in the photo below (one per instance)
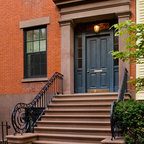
(84, 36)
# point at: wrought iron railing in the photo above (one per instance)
(123, 87)
(121, 96)
(24, 116)
(4, 132)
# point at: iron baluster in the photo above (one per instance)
(7, 128)
(56, 87)
(44, 99)
(2, 132)
(40, 100)
(61, 86)
(52, 89)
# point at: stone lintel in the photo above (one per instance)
(34, 22)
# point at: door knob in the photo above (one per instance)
(87, 70)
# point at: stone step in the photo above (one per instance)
(75, 131)
(79, 106)
(91, 95)
(77, 124)
(71, 138)
(83, 101)
(55, 142)
(87, 95)
(76, 117)
(77, 112)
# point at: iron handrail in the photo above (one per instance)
(121, 96)
(24, 116)
(123, 87)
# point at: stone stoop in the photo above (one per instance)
(118, 140)
(73, 119)
(26, 138)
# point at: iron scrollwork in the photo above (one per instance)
(19, 121)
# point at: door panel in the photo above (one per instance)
(97, 63)
(92, 56)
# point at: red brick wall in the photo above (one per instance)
(133, 18)
(11, 43)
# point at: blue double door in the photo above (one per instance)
(93, 63)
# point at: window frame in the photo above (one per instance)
(25, 30)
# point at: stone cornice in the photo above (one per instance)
(66, 22)
(124, 13)
(67, 3)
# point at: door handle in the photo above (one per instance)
(98, 70)
(87, 70)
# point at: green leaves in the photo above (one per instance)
(134, 50)
(134, 40)
(139, 82)
(130, 119)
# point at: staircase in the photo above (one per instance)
(76, 119)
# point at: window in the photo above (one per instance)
(79, 59)
(116, 48)
(35, 49)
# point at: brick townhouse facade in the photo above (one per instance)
(40, 37)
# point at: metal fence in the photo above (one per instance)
(4, 127)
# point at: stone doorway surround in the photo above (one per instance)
(82, 11)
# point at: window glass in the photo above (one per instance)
(79, 53)
(116, 48)
(29, 47)
(29, 35)
(29, 65)
(43, 45)
(79, 63)
(36, 46)
(43, 63)
(79, 42)
(116, 40)
(43, 33)
(36, 34)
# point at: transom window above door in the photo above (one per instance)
(35, 47)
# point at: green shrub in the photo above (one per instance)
(130, 120)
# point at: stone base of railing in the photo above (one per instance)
(108, 140)
(26, 138)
